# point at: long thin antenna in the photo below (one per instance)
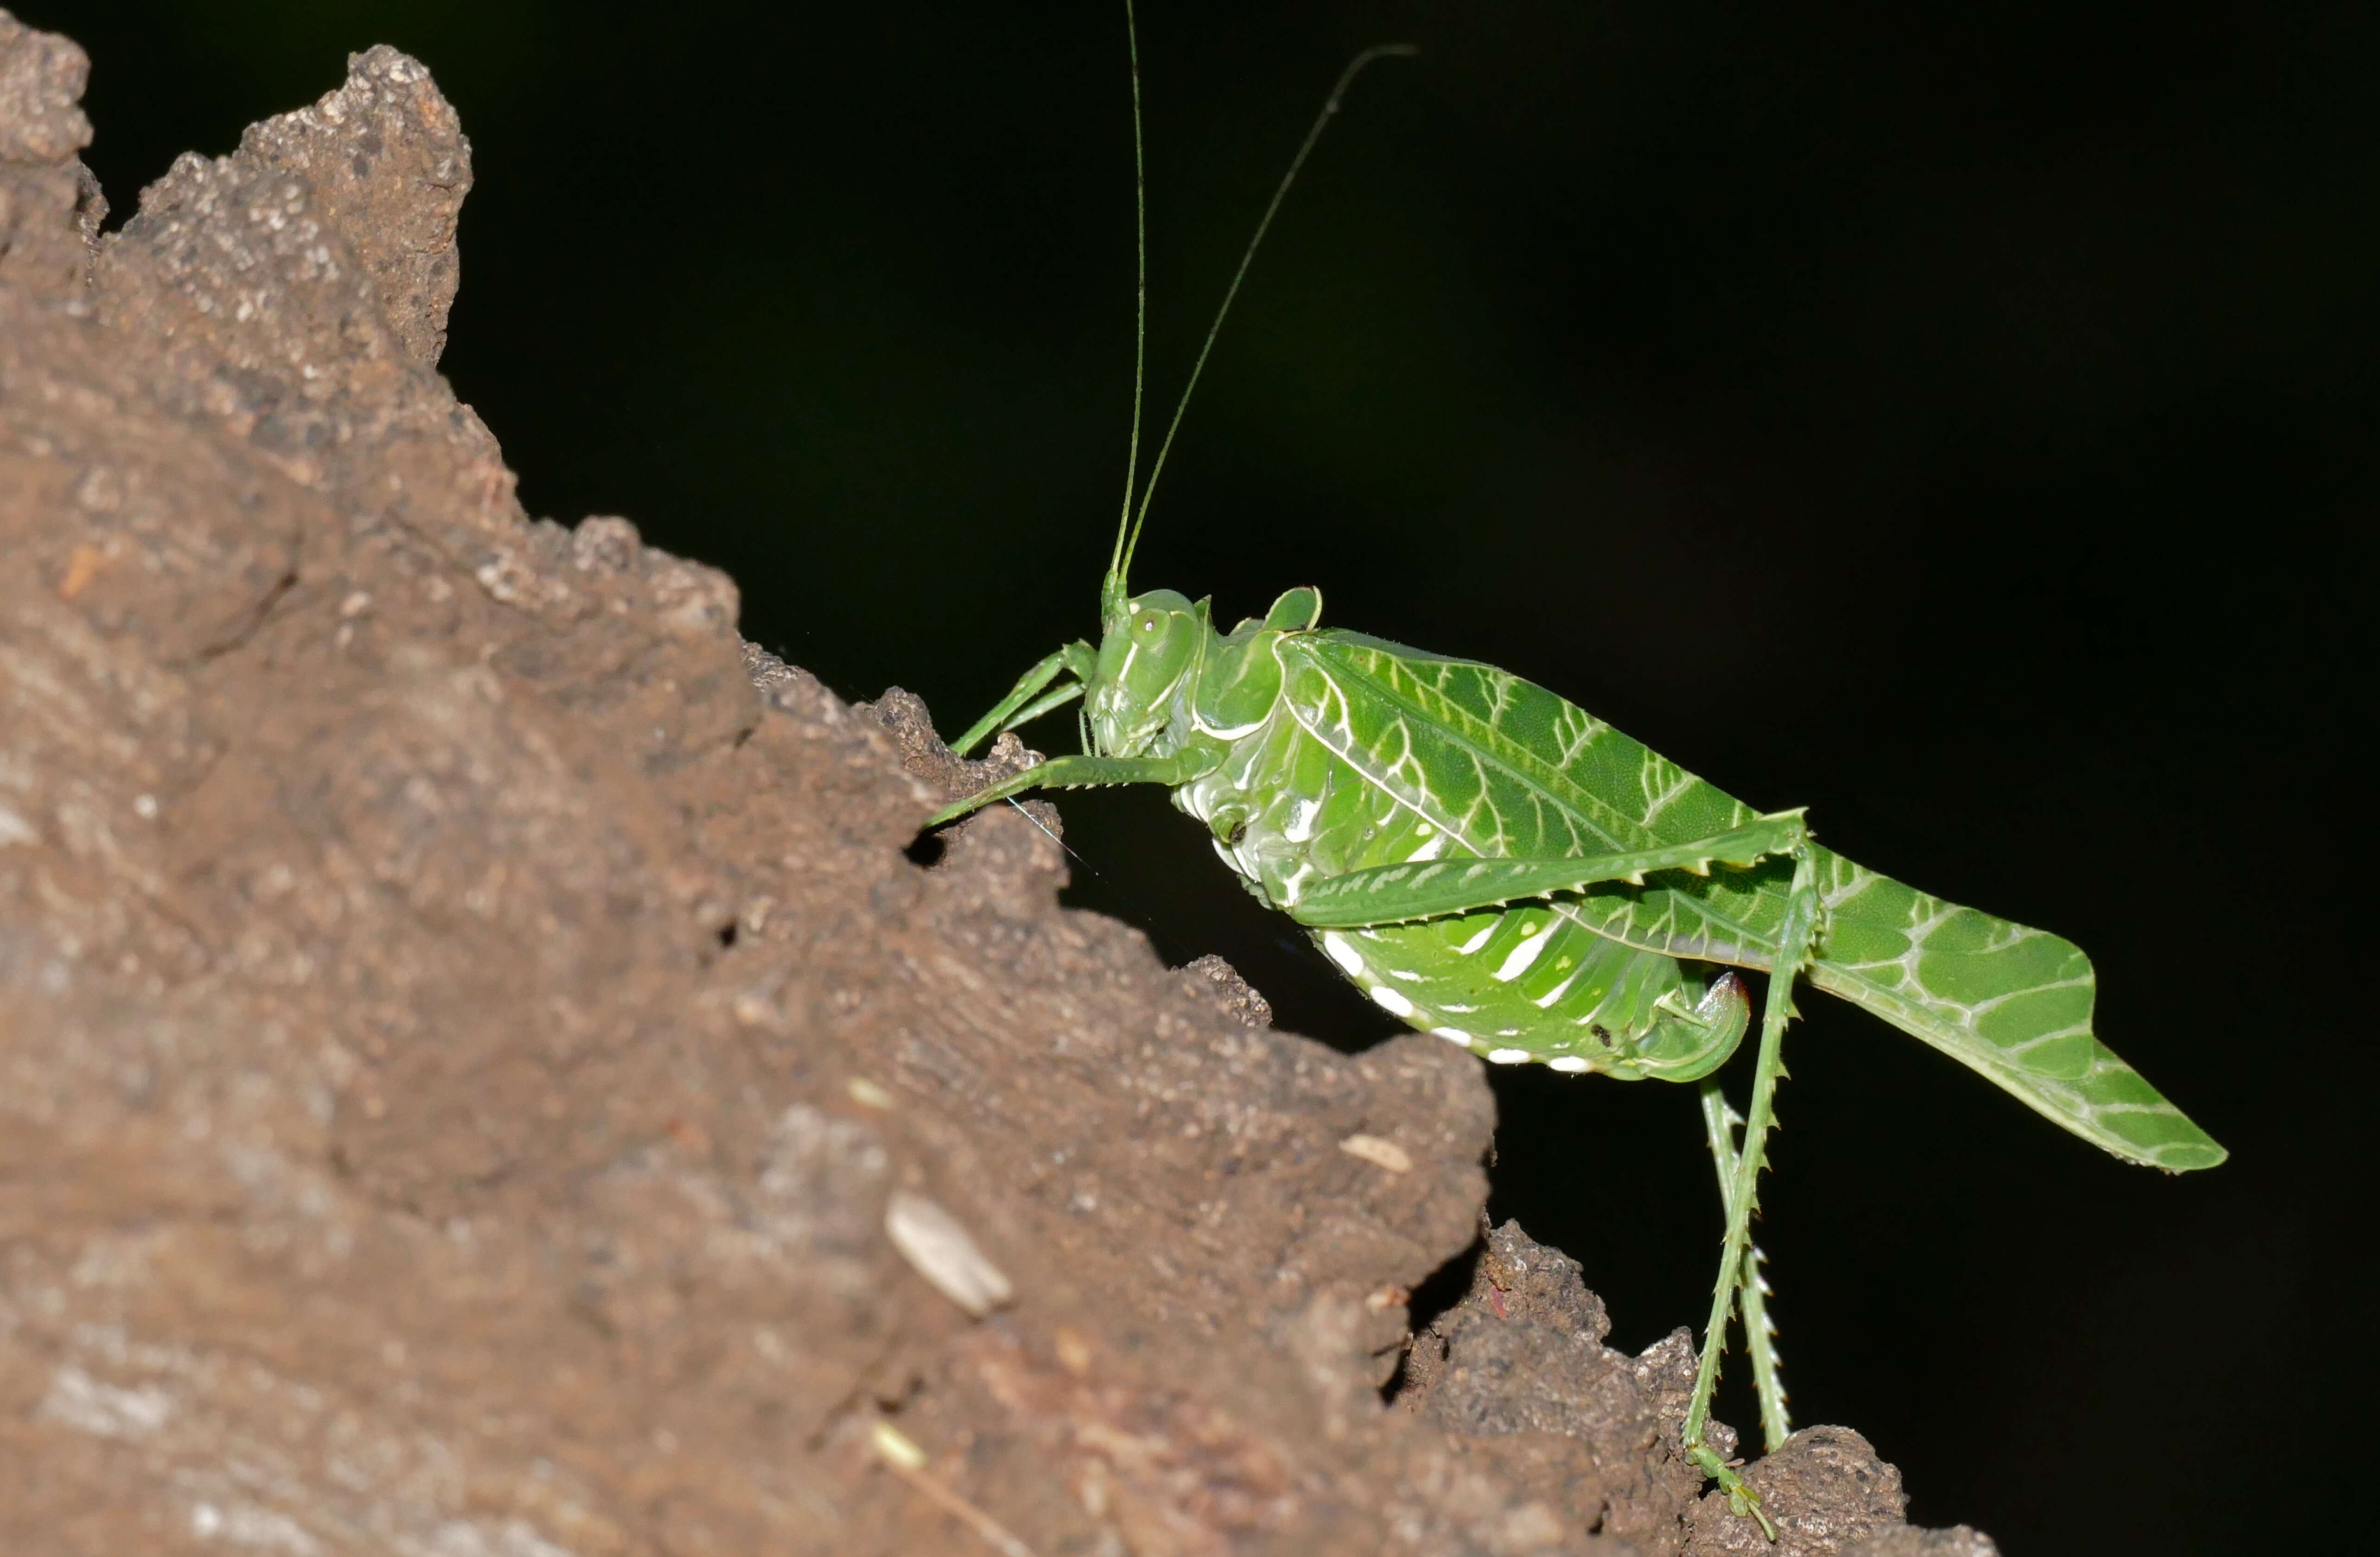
(1330, 107)
(1140, 309)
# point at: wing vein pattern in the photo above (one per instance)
(1507, 768)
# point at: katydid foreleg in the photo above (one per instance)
(1076, 658)
(1794, 940)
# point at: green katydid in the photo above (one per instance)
(1493, 864)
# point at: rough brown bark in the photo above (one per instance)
(481, 1075)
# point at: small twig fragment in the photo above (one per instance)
(905, 1459)
(940, 1250)
(1379, 1152)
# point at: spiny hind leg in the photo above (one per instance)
(1793, 941)
(1720, 1123)
(1393, 894)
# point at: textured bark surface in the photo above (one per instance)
(482, 1075)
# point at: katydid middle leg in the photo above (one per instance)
(1795, 938)
(1074, 773)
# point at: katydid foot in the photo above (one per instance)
(1741, 1497)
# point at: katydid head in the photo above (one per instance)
(1150, 649)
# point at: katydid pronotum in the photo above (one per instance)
(1493, 864)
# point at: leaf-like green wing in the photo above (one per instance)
(1509, 769)
(2011, 1002)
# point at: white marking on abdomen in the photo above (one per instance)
(1429, 851)
(1546, 1001)
(1506, 1057)
(1453, 1035)
(1390, 1001)
(1341, 953)
(1476, 942)
(1570, 1065)
(1525, 953)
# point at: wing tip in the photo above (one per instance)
(2190, 1157)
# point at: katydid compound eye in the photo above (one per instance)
(1149, 624)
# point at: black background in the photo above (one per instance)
(1929, 414)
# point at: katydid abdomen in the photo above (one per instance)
(1294, 801)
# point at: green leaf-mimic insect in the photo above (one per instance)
(1495, 865)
